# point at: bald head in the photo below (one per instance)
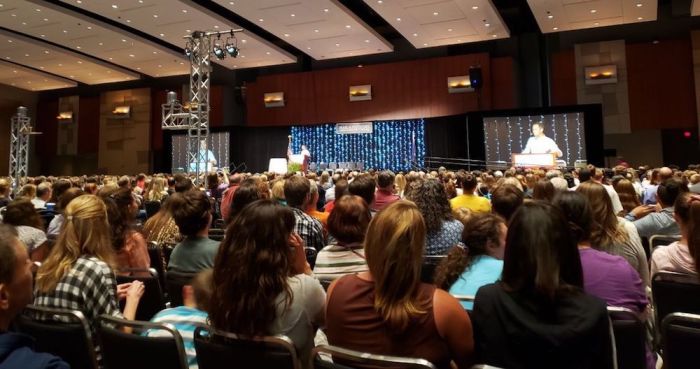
(665, 173)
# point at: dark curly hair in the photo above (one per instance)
(430, 197)
(119, 215)
(478, 231)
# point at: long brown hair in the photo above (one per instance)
(687, 210)
(394, 247)
(85, 232)
(628, 196)
(605, 230)
(251, 269)
(481, 229)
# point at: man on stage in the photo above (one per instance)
(307, 157)
(206, 158)
(539, 143)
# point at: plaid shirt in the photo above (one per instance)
(309, 229)
(90, 287)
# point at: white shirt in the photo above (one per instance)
(38, 203)
(305, 153)
(614, 198)
(541, 145)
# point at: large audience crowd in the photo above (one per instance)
(524, 262)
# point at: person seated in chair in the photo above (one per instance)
(192, 213)
(16, 350)
(185, 319)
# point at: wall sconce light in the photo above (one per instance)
(360, 93)
(65, 117)
(459, 84)
(600, 75)
(274, 99)
(121, 112)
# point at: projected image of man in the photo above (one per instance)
(206, 158)
(539, 143)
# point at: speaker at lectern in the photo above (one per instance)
(534, 160)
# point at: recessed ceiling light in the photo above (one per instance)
(348, 26)
(160, 66)
(639, 5)
(308, 48)
(449, 30)
(80, 62)
(10, 41)
(37, 9)
(78, 1)
(230, 3)
(366, 41)
(555, 28)
(155, 15)
(26, 55)
(14, 15)
(487, 24)
(42, 35)
(337, 45)
(46, 19)
(24, 23)
(162, 35)
(244, 40)
(398, 19)
(593, 11)
(325, 10)
(184, 10)
(78, 47)
(494, 35)
(155, 52)
(596, 24)
(316, 30)
(286, 35)
(64, 31)
(425, 44)
(267, 53)
(89, 27)
(550, 16)
(60, 65)
(216, 27)
(114, 6)
(100, 43)
(261, 20)
(46, 51)
(640, 18)
(128, 21)
(380, 2)
(475, 7)
(110, 58)
(123, 40)
(436, 13)
(415, 35)
(138, 68)
(131, 55)
(292, 15)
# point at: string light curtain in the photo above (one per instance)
(396, 144)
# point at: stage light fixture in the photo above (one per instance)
(218, 51)
(232, 47)
(188, 49)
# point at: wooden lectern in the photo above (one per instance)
(534, 160)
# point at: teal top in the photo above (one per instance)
(193, 255)
(483, 270)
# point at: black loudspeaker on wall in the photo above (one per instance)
(475, 77)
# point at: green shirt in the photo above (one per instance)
(193, 255)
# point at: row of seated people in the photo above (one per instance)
(394, 220)
(417, 200)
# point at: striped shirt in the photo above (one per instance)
(335, 261)
(185, 320)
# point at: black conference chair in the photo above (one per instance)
(54, 328)
(217, 234)
(218, 350)
(430, 263)
(348, 359)
(151, 207)
(311, 255)
(659, 240)
(325, 282)
(630, 338)
(675, 293)
(681, 339)
(174, 281)
(155, 252)
(152, 300)
(136, 350)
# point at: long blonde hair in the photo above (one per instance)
(156, 190)
(394, 247)
(85, 232)
(606, 231)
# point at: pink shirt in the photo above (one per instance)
(383, 198)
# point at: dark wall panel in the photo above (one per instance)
(88, 124)
(563, 78)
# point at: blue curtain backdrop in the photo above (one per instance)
(395, 144)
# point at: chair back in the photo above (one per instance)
(137, 350)
(675, 293)
(430, 263)
(348, 359)
(155, 252)
(681, 339)
(630, 338)
(311, 255)
(218, 350)
(662, 240)
(152, 300)
(174, 281)
(54, 328)
(151, 208)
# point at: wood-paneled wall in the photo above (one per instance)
(411, 89)
(563, 78)
(661, 85)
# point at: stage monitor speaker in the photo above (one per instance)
(475, 77)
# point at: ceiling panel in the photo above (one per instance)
(29, 79)
(568, 15)
(79, 32)
(171, 20)
(428, 23)
(56, 60)
(323, 29)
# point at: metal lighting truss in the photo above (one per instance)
(195, 119)
(20, 130)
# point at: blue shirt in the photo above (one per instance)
(483, 270)
(185, 320)
(440, 242)
(16, 352)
